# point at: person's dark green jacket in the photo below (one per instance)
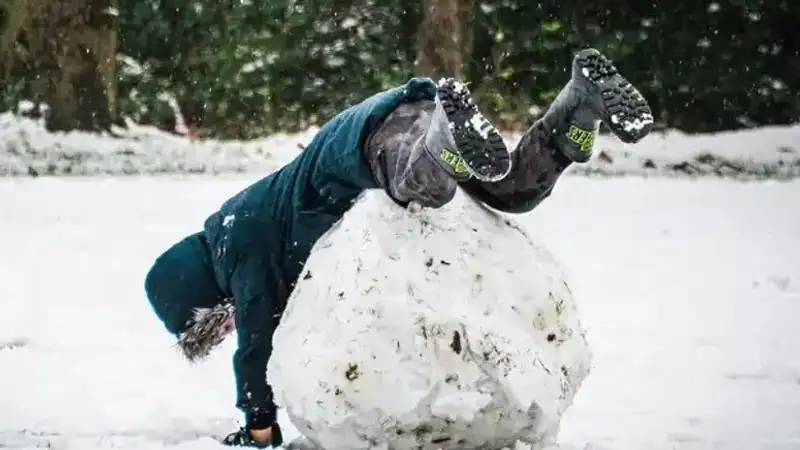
(260, 238)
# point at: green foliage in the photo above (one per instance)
(241, 69)
(244, 68)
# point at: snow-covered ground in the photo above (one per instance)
(690, 291)
(27, 150)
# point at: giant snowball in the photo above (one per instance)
(428, 329)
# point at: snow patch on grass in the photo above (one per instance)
(27, 149)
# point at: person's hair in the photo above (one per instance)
(208, 329)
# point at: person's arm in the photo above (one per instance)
(257, 318)
(255, 282)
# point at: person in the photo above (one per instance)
(418, 142)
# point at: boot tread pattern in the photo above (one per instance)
(626, 113)
(479, 143)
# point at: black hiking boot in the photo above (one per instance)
(596, 93)
(480, 149)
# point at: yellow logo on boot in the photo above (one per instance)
(454, 160)
(584, 138)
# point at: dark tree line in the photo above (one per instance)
(245, 68)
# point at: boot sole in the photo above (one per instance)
(478, 142)
(624, 110)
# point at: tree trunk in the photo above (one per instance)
(71, 45)
(444, 38)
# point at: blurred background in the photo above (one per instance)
(247, 68)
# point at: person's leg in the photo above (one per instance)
(537, 163)
(184, 294)
(596, 93)
(424, 148)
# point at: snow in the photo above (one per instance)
(688, 288)
(771, 152)
(456, 308)
(26, 149)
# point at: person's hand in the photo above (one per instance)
(262, 436)
(256, 437)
